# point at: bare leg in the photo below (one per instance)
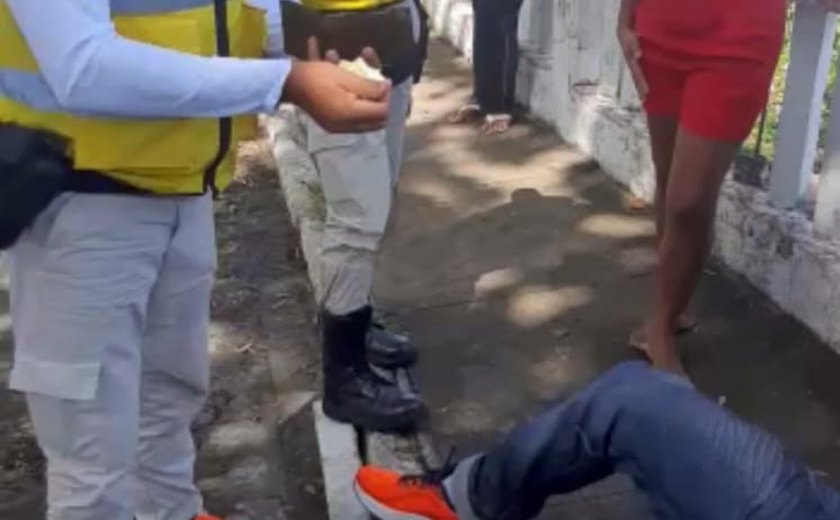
(697, 172)
(663, 140)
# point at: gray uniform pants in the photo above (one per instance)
(110, 309)
(340, 189)
(358, 175)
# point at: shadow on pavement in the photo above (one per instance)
(520, 270)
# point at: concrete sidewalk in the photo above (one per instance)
(520, 270)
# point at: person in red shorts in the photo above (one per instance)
(703, 69)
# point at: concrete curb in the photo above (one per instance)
(344, 449)
(340, 460)
(404, 453)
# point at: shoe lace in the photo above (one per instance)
(431, 477)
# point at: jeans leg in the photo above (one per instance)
(510, 61)
(549, 455)
(476, 46)
(690, 457)
(496, 53)
(488, 47)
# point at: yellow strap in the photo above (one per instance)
(346, 5)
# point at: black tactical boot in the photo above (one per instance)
(352, 392)
(389, 350)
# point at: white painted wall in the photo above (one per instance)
(572, 76)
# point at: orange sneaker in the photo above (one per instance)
(205, 516)
(389, 496)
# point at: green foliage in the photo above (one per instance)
(774, 105)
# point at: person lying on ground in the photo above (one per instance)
(690, 458)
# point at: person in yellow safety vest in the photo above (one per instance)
(110, 285)
(358, 175)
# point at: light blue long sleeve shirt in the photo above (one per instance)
(90, 69)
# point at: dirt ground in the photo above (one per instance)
(21, 462)
(257, 458)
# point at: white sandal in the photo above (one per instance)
(496, 123)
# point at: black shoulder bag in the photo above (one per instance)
(34, 168)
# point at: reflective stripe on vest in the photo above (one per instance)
(139, 7)
(28, 89)
(166, 156)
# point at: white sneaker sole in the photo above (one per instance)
(381, 511)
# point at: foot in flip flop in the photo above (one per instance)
(638, 339)
(496, 123)
(662, 353)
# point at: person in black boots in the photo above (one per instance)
(358, 176)
(342, 213)
(353, 392)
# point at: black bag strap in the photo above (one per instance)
(225, 123)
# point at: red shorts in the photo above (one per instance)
(710, 63)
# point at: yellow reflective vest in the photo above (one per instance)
(165, 156)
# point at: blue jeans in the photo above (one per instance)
(691, 458)
(495, 54)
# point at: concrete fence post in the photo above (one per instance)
(799, 125)
(827, 215)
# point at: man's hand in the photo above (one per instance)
(338, 100)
